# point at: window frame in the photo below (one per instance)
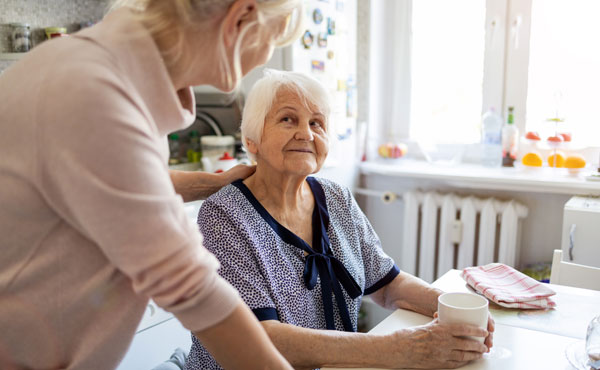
(506, 61)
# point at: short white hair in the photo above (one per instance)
(264, 92)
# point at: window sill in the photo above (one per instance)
(538, 180)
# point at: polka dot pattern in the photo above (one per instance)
(268, 273)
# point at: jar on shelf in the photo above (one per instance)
(53, 32)
(20, 37)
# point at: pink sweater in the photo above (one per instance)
(90, 225)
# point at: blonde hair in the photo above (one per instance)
(264, 92)
(174, 16)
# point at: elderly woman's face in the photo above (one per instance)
(294, 139)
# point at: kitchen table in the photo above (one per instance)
(532, 339)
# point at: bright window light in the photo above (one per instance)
(564, 69)
(448, 41)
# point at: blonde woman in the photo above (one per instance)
(302, 254)
(91, 223)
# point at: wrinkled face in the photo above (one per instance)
(294, 140)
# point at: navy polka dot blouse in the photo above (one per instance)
(278, 275)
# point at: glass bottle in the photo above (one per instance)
(592, 343)
(20, 37)
(510, 140)
(174, 147)
(193, 151)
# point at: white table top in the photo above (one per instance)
(574, 310)
(515, 345)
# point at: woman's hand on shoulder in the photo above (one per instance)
(240, 171)
(436, 346)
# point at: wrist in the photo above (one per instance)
(395, 349)
(434, 304)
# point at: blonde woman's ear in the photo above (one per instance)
(238, 16)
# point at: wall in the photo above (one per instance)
(46, 13)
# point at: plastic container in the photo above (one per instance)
(491, 139)
(213, 147)
(52, 32)
(20, 37)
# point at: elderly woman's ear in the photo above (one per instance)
(251, 146)
(237, 18)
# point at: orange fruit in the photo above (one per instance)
(532, 159)
(575, 161)
(556, 160)
(556, 139)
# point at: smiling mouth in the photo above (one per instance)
(300, 150)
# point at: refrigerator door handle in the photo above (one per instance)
(571, 241)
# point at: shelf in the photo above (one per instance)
(11, 56)
(542, 180)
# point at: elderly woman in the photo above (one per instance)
(302, 254)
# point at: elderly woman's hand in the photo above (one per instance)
(435, 346)
(491, 327)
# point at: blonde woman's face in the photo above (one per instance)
(294, 139)
(260, 43)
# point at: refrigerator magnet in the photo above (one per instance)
(322, 40)
(307, 39)
(318, 65)
(318, 16)
(330, 54)
(330, 26)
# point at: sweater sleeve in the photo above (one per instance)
(101, 169)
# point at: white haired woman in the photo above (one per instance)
(302, 254)
(91, 223)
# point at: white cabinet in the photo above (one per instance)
(157, 337)
(581, 231)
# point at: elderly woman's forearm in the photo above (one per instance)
(312, 348)
(240, 333)
(408, 292)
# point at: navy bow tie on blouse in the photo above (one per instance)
(333, 275)
(321, 262)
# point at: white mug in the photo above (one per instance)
(463, 308)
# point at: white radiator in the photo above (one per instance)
(442, 232)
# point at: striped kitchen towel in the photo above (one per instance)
(508, 287)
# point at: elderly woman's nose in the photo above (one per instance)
(304, 132)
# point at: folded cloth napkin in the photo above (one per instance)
(508, 287)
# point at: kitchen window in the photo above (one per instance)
(451, 60)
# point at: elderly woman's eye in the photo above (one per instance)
(315, 124)
(286, 119)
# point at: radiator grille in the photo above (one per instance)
(445, 231)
